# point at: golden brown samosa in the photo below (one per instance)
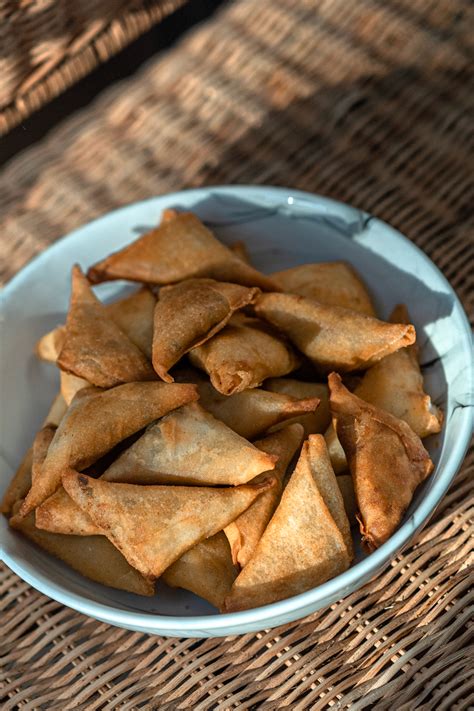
(206, 570)
(94, 346)
(179, 248)
(346, 486)
(189, 314)
(335, 450)
(153, 526)
(243, 355)
(190, 446)
(252, 412)
(395, 384)
(21, 481)
(133, 314)
(330, 336)
(96, 421)
(245, 532)
(70, 385)
(386, 458)
(314, 422)
(301, 547)
(331, 283)
(92, 556)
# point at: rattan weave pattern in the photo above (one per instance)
(48, 45)
(368, 102)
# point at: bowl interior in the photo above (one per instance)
(281, 229)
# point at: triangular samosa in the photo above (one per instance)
(252, 412)
(190, 446)
(92, 556)
(189, 314)
(333, 337)
(243, 355)
(331, 283)
(21, 481)
(179, 248)
(245, 532)
(395, 384)
(154, 525)
(133, 314)
(94, 347)
(96, 421)
(386, 458)
(301, 547)
(206, 570)
(314, 422)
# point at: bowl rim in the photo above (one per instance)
(333, 589)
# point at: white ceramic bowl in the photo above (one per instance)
(282, 228)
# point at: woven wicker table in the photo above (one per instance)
(367, 102)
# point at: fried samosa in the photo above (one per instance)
(314, 422)
(245, 532)
(330, 336)
(189, 314)
(386, 458)
(190, 446)
(94, 346)
(153, 526)
(330, 283)
(252, 412)
(243, 355)
(395, 384)
(92, 556)
(301, 547)
(21, 482)
(133, 314)
(179, 248)
(206, 570)
(96, 421)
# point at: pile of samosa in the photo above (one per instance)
(221, 429)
